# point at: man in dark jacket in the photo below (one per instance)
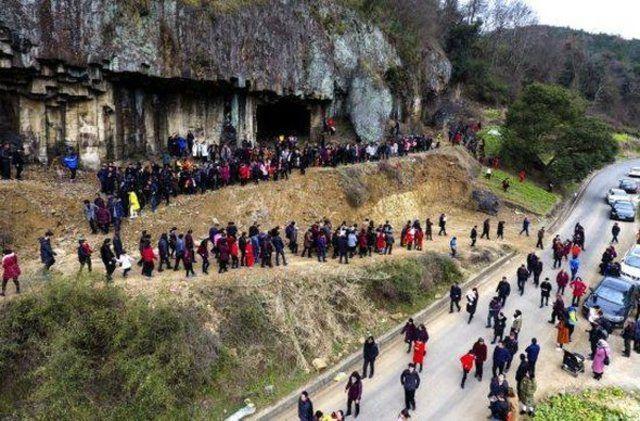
(480, 351)
(108, 258)
(278, 246)
(163, 252)
(558, 309)
(545, 292)
(455, 295)
(410, 380)
(409, 331)
(495, 305)
(486, 226)
(522, 275)
(511, 344)
(503, 290)
(474, 235)
(305, 407)
(615, 231)
(500, 357)
(540, 238)
(291, 233)
(370, 353)
(498, 327)
(522, 369)
(537, 271)
(532, 352)
(47, 255)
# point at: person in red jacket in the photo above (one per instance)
(11, 270)
(419, 352)
(418, 239)
(579, 288)
(248, 251)
(479, 350)
(148, 257)
(244, 173)
(562, 279)
(467, 361)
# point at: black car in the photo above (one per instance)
(615, 297)
(630, 186)
(623, 211)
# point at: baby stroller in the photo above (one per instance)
(573, 363)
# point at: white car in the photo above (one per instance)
(634, 172)
(630, 265)
(615, 195)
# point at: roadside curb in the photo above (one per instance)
(431, 311)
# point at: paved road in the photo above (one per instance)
(440, 396)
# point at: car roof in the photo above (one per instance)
(622, 202)
(618, 191)
(615, 283)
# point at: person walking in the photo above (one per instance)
(522, 369)
(579, 289)
(574, 265)
(562, 279)
(148, 259)
(84, 255)
(541, 232)
(545, 292)
(562, 337)
(472, 303)
(532, 351)
(419, 352)
(108, 258)
(126, 263)
(455, 295)
(354, 393)
(370, 352)
(522, 274)
(495, 305)
(47, 255)
(467, 361)
(500, 231)
(511, 345)
(442, 223)
(628, 335)
(500, 357)
(409, 331)
(498, 327)
(474, 235)
(479, 349)
(601, 359)
(525, 226)
(410, 381)
(486, 227)
(615, 231)
(10, 270)
(453, 245)
(527, 391)
(305, 407)
(503, 290)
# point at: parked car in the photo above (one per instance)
(630, 186)
(614, 195)
(623, 211)
(615, 297)
(634, 172)
(630, 265)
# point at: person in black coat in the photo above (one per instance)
(522, 369)
(522, 275)
(422, 334)
(500, 231)
(537, 271)
(108, 258)
(455, 295)
(370, 352)
(409, 331)
(410, 381)
(474, 235)
(47, 255)
(503, 290)
(343, 248)
(278, 246)
(305, 407)
(472, 303)
(498, 327)
(545, 292)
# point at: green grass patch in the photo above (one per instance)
(629, 145)
(528, 195)
(493, 114)
(594, 405)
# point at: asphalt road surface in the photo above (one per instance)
(440, 396)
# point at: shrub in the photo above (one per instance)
(76, 351)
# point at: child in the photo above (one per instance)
(125, 263)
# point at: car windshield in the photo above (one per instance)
(612, 295)
(618, 192)
(633, 260)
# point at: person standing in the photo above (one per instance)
(527, 391)
(428, 230)
(455, 295)
(516, 325)
(511, 344)
(354, 393)
(472, 303)
(545, 292)
(474, 235)
(125, 261)
(410, 381)
(601, 358)
(453, 245)
(540, 238)
(522, 275)
(90, 214)
(562, 337)
(495, 305)
(479, 349)
(532, 351)
(409, 331)
(486, 227)
(628, 335)
(467, 361)
(498, 327)
(203, 252)
(370, 352)
(615, 231)
(108, 258)
(47, 255)
(305, 407)
(419, 352)
(148, 259)
(562, 279)
(84, 254)
(500, 231)
(523, 368)
(574, 265)
(163, 252)
(442, 223)
(500, 358)
(10, 270)
(503, 290)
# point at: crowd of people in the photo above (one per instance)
(506, 399)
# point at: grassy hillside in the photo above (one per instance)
(528, 194)
(595, 405)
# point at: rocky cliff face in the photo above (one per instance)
(95, 72)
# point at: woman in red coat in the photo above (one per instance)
(248, 251)
(408, 238)
(11, 270)
(418, 239)
(419, 351)
(381, 243)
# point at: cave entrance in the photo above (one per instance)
(8, 121)
(284, 117)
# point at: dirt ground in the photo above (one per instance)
(414, 187)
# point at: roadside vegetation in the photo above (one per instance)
(528, 194)
(595, 405)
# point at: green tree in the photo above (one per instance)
(547, 129)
